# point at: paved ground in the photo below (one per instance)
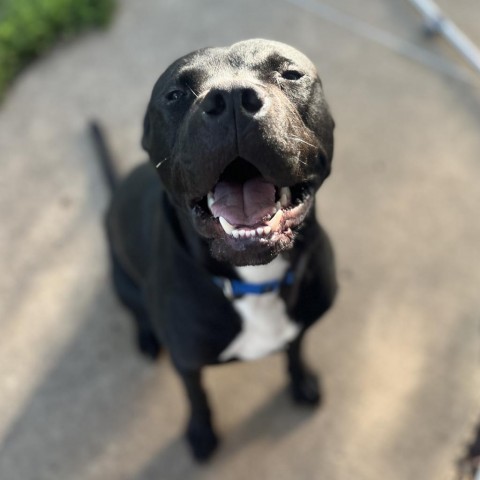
(399, 353)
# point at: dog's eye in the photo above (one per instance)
(292, 75)
(174, 95)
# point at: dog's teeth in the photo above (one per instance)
(241, 233)
(236, 233)
(225, 225)
(267, 230)
(249, 233)
(278, 205)
(210, 200)
(260, 230)
(274, 223)
(285, 196)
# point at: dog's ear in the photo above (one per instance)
(147, 136)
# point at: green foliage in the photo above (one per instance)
(29, 27)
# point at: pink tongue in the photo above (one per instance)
(244, 203)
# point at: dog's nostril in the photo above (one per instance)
(214, 104)
(252, 102)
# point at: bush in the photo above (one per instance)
(29, 27)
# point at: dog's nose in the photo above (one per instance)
(247, 101)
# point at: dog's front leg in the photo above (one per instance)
(304, 383)
(200, 434)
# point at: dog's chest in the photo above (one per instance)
(266, 326)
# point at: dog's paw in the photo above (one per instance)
(305, 389)
(202, 440)
(148, 345)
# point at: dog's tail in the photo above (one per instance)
(105, 157)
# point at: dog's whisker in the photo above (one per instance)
(302, 141)
(191, 89)
(159, 164)
(299, 160)
(259, 84)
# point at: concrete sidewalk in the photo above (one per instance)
(399, 354)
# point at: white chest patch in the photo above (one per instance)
(266, 326)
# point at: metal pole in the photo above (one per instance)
(437, 22)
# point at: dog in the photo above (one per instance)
(214, 242)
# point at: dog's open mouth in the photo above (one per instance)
(245, 208)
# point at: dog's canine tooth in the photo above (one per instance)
(210, 200)
(285, 196)
(274, 223)
(278, 206)
(225, 225)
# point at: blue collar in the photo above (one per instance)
(233, 288)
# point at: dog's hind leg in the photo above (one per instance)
(304, 384)
(131, 295)
(200, 433)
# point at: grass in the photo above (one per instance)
(28, 28)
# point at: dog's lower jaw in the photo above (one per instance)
(254, 249)
(259, 251)
(253, 254)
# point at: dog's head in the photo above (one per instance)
(242, 138)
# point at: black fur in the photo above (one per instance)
(258, 101)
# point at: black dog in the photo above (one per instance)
(215, 245)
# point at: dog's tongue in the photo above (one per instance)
(245, 203)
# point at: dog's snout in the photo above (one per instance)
(245, 101)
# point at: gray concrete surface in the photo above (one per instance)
(399, 353)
